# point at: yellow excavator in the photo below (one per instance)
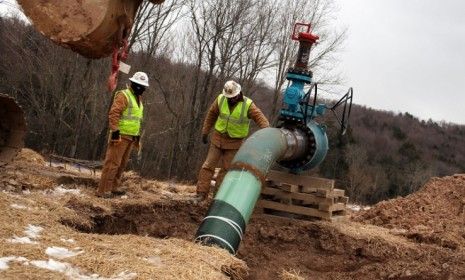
(92, 28)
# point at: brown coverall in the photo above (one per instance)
(118, 152)
(222, 148)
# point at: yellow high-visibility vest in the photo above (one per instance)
(235, 123)
(131, 118)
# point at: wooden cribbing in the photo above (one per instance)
(300, 180)
(302, 196)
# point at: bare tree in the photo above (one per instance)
(152, 25)
(254, 44)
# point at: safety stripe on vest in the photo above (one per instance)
(131, 105)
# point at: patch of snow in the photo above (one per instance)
(33, 231)
(18, 206)
(74, 273)
(5, 260)
(62, 191)
(21, 240)
(155, 260)
(61, 253)
(355, 207)
(52, 265)
(67, 240)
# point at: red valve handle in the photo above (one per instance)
(305, 35)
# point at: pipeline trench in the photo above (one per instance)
(271, 245)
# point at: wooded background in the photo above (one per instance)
(189, 49)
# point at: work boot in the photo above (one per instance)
(198, 198)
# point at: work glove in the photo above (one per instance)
(115, 136)
(205, 138)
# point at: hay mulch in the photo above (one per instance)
(31, 227)
(28, 155)
(35, 244)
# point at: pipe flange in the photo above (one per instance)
(300, 71)
(310, 149)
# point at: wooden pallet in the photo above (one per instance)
(302, 196)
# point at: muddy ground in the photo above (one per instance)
(421, 236)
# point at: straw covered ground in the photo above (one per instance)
(35, 243)
(53, 227)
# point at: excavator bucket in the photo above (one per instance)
(12, 129)
(89, 27)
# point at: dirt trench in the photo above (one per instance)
(274, 245)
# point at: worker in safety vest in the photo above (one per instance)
(125, 118)
(230, 114)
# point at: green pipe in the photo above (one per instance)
(233, 205)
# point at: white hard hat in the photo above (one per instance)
(231, 89)
(140, 78)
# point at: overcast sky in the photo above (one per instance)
(406, 56)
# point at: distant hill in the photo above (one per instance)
(388, 154)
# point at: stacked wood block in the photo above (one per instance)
(302, 196)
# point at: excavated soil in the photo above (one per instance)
(417, 237)
(433, 215)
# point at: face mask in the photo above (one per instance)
(234, 100)
(138, 89)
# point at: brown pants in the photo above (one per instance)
(116, 159)
(216, 157)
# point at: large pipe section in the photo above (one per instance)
(233, 205)
(90, 28)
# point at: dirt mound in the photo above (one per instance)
(30, 156)
(435, 214)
